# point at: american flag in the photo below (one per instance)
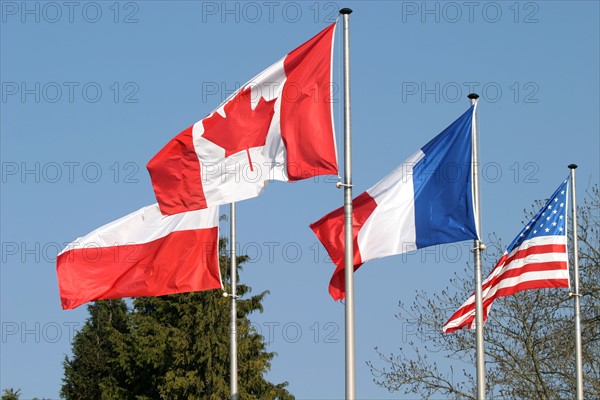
(536, 259)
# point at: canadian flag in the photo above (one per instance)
(142, 254)
(278, 126)
(426, 200)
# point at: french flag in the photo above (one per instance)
(427, 200)
(142, 254)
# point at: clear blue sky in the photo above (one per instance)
(91, 91)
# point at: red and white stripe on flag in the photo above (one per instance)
(278, 126)
(142, 254)
(536, 259)
(536, 264)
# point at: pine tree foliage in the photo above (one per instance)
(11, 394)
(97, 347)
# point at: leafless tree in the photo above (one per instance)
(529, 337)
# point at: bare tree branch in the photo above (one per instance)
(529, 337)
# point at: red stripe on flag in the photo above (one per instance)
(330, 232)
(550, 283)
(547, 283)
(495, 281)
(175, 174)
(182, 261)
(536, 249)
(504, 292)
(536, 267)
(306, 119)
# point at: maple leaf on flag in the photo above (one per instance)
(242, 127)
(292, 136)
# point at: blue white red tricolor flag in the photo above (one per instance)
(536, 259)
(426, 200)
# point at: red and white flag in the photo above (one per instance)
(536, 259)
(278, 126)
(142, 254)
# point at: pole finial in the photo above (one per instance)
(346, 11)
(473, 96)
(572, 166)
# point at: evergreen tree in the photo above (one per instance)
(94, 371)
(173, 347)
(11, 394)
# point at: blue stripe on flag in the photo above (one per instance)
(442, 187)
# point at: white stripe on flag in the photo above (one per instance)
(145, 225)
(489, 293)
(390, 229)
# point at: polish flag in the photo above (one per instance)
(278, 126)
(425, 201)
(142, 254)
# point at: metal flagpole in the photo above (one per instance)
(349, 246)
(576, 295)
(477, 248)
(233, 375)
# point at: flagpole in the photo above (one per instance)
(478, 246)
(233, 365)
(576, 295)
(349, 243)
